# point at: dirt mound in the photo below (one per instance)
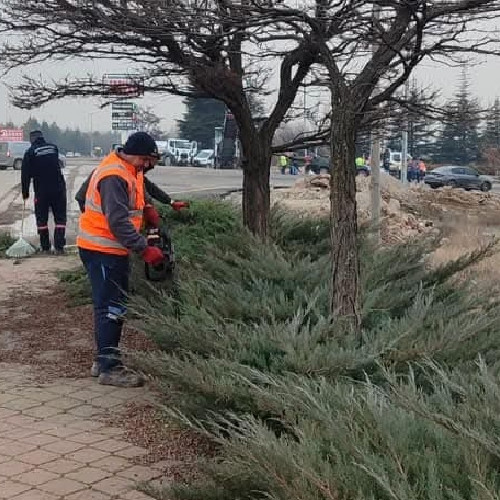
(311, 195)
(439, 202)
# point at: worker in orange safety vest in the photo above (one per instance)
(422, 168)
(109, 231)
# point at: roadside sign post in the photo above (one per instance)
(123, 110)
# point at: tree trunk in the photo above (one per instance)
(344, 292)
(256, 191)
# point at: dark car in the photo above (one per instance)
(318, 164)
(457, 177)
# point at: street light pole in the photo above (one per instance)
(404, 142)
(91, 136)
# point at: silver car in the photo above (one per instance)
(12, 153)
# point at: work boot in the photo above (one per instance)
(60, 251)
(94, 369)
(121, 377)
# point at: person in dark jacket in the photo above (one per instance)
(41, 163)
(151, 190)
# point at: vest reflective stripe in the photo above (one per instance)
(125, 171)
(90, 205)
(101, 240)
(94, 231)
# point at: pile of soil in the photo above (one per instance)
(310, 195)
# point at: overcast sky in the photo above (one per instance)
(80, 113)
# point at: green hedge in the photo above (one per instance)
(301, 406)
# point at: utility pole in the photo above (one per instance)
(91, 136)
(375, 153)
(305, 116)
(404, 142)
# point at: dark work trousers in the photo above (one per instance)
(108, 275)
(56, 202)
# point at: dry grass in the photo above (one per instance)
(463, 235)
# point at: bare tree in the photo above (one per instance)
(369, 50)
(200, 48)
(404, 34)
(226, 49)
(148, 121)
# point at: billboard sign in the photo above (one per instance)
(124, 124)
(11, 134)
(123, 106)
(123, 115)
(123, 85)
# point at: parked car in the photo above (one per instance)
(318, 164)
(205, 158)
(321, 164)
(457, 177)
(364, 171)
(11, 154)
(62, 160)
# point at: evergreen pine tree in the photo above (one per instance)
(459, 139)
(491, 135)
(421, 128)
(200, 119)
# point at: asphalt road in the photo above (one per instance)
(179, 182)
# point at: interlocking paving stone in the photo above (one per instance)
(41, 411)
(87, 455)
(88, 475)
(16, 448)
(64, 403)
(136, 495)
(140, 473)
(35, 477)
(62, 486)
(63, 447)
(114, 485)
(110, 445)
(38, 457)
(88, 437)
(9, 489)
(36, 495)
(39, 439)
(112, 463)
(14, 468)
(88, 495)
(54, 447)
(62, 466)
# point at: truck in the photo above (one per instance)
(175, 151)
(394, 162)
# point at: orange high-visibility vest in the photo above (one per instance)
(94, 232)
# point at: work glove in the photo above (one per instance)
(151, 216)
(153, 256)
(179, 205)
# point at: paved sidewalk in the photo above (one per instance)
(54, 445)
